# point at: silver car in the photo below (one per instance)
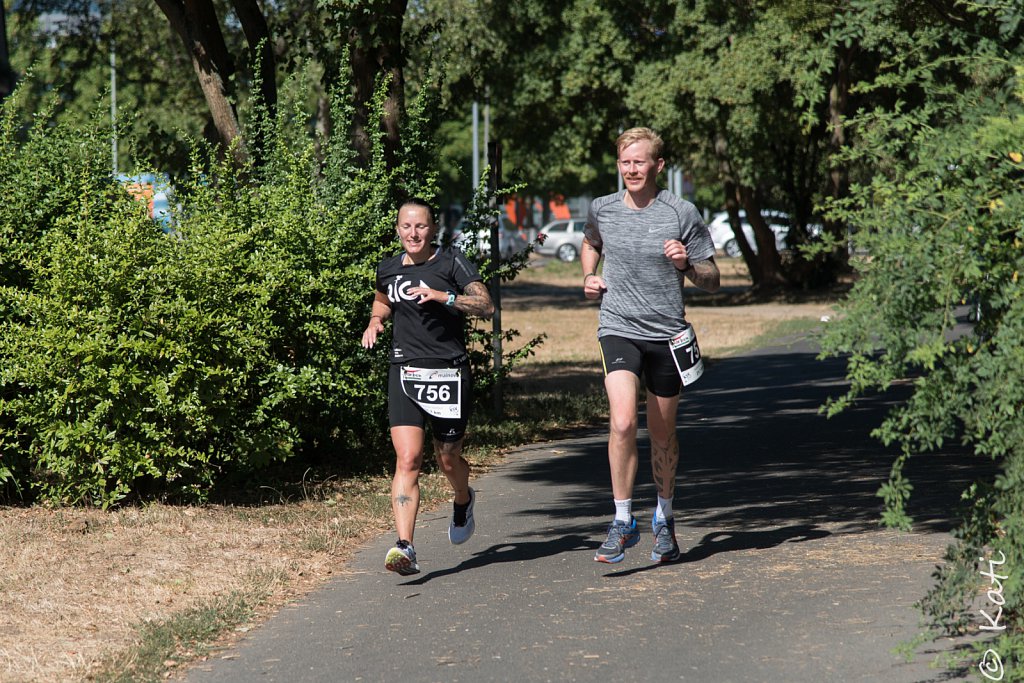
(562, 238)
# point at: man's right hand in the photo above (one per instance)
(594, 287)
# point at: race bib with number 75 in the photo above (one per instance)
(686, 354)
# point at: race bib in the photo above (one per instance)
(437, 391)
(686, 354)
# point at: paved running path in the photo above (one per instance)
(785, 576)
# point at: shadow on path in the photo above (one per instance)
(756, 453)
(733, 541)
(513, 552)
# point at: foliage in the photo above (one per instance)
(71, 55)
(940, 221)
(480, 335)
(133, 362)
(556, 96)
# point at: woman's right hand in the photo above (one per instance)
(375, 327)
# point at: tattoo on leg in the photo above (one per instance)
(664, 460)
(402, 499)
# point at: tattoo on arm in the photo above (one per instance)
(476, 301)
(705, 275)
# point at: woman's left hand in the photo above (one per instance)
(425, 294)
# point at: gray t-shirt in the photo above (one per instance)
(645, 291)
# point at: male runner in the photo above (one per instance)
(650, 241)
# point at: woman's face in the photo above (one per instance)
(415, 229)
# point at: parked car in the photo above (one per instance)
(725, 239)
(563, 239)
(511, 240)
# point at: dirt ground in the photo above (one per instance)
(75, 585)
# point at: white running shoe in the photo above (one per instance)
(460, 530)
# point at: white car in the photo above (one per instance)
(725, 240)
(562, 238)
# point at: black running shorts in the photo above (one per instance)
(405, 412)
(651, 360)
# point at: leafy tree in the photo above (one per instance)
(64, 48)
(939, 218)
(727, 93)
(722, 83)
(555, 95)
(197, 24)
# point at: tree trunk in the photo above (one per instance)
(838, 101)
(323, 123)
(765, 267)
(196, 23)
(7, 75)
(768, 259)
(378, 53)
(261, 47)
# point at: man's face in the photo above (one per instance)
(638, 166)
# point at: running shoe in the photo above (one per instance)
(402, 559)
(666, 549)
(620, 537)
(462, 525)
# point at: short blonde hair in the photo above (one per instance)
(639, 135)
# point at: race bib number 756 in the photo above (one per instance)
(437, 391)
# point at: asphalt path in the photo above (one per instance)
(786, 575)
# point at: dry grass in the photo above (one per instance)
(549, 300)
(76, 584)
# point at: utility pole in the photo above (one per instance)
(476, 148)
(113, 98)
(494, 155)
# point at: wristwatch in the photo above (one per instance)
(451, 298)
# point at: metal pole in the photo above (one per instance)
(487, 126)
(476, 147)
(113, 101)
(494, 154)
(617, 174)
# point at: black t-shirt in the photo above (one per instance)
(432, 329)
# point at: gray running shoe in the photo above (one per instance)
(666, 549)
(462, 526)
(402, 559)
(620, 537)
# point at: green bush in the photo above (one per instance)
(480, 334)
(137, 363)
(134, 362)
(940, 222)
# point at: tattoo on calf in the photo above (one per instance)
(664, 461)
(402, 499)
